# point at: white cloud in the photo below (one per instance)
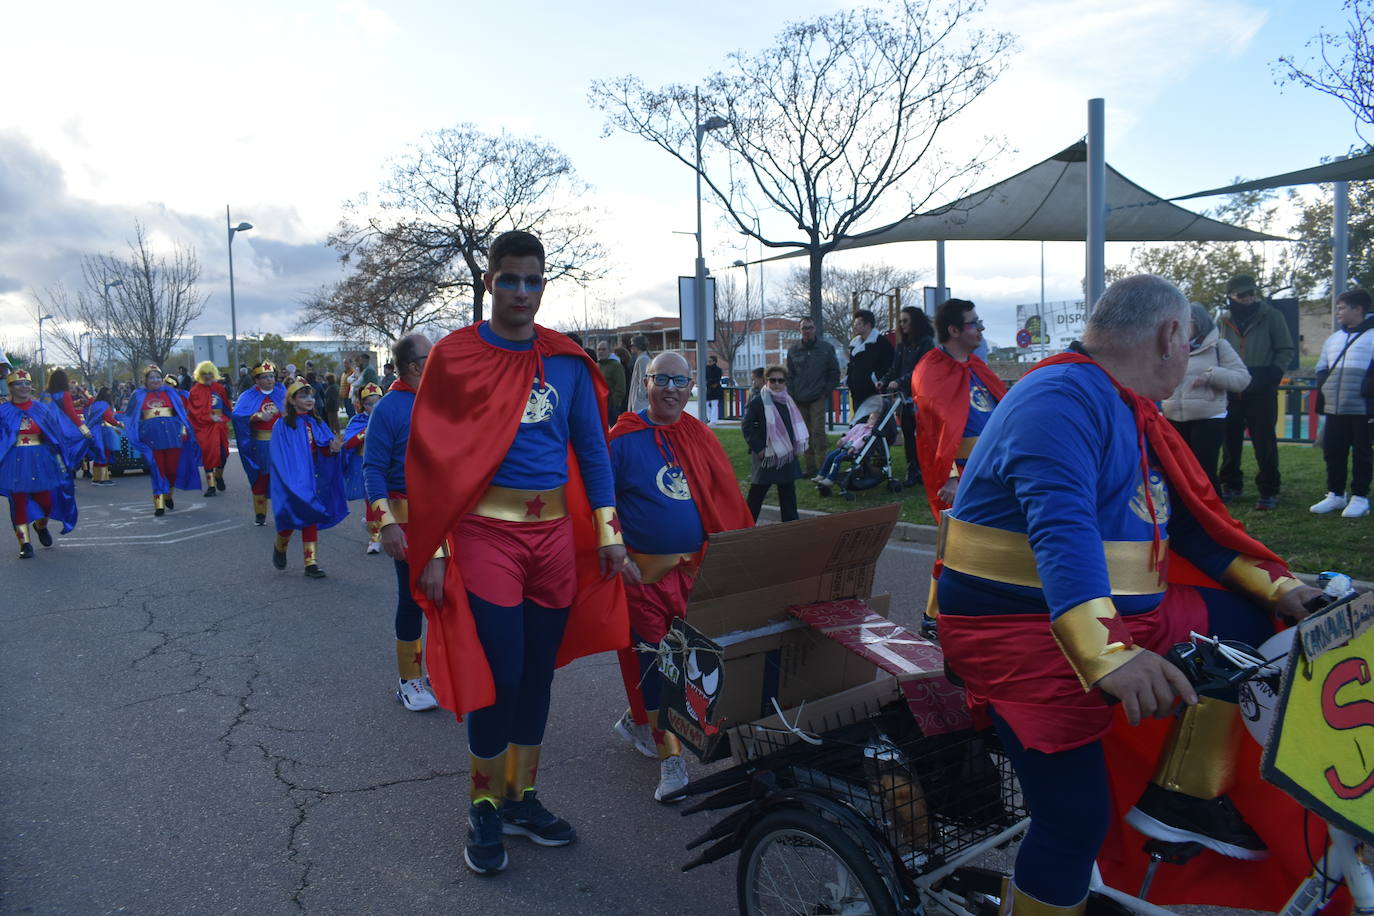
(372, 22)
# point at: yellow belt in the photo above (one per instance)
(29, 440)
(262, 435)
(154, 413)
(1006, 556)
(510, 505)
(654, 567)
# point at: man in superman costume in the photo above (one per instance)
(955, 393)
(1085, 541)
(255, 413)
(39, 449)
(209, 405)
(156, 425)
(508, 459)
(675, 487)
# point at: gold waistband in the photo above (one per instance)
(262, 435)
(154, 413)
(965, 448)
(30, 440)
(1006, 556)
(510, 505)
(654, 567)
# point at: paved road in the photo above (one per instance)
(186, 730)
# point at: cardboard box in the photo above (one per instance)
(739, 604)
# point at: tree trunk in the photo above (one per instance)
(816, 255)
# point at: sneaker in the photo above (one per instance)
(219, 484)
(1330, 503)
(672, 776)
(314, 572)
(1230, 493)
(1265, 503)
(824, 482)
(485, 854)
(159, 512)
(1179, 818)
(1358, 508)
(529, 818)
(26, 551)
(168, 501)
(278, 558)
(415, 695)
(637, 736)
(260, 519)
(374, 547)
(209, 491)
(45, 536)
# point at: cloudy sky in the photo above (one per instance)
(165, 112)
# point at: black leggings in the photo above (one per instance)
(787, 499)
(1347, 435)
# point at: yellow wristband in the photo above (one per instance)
(383, 506)
(1247, 576)
(1094, 639)
(607, 526)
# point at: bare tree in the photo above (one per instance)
(735, 314)
(597, 319)
(140, 304)
(838, 286)
(1343, 66)
(449, 196)
(841, 114)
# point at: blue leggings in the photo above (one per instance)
(1067, 792)
(408, 612)
(521, 645)
(650, 685)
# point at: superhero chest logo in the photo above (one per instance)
(268, 411)
(542, 403)
(672, 483)
(1159, 496)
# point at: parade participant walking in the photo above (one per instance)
(306, 478)
(157, 426)
(813, 372)
(384, 478)
(955, 393)
(354, 440)
(675, 487)
(1062, 576)
(776, 436)
(209, 405)
(1345, 380)
(508, 456)
(255, 415)
(39, 449)
(103, 423)
(59, 395)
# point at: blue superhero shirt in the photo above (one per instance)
(653, 495)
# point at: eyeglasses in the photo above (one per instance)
(671, 381)
(532, 283)
(974, 324)
(777, 380)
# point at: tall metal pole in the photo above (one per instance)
(42, 356)
(940, 270)
(109, 332)
(233, 311)
(699, 287)
(1340, 241)
(1097, 202)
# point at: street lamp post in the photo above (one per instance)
(715, 122)
(42, 353)
(233, 311)
(109, 332)
(748, 331)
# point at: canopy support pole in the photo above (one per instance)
(1095, 278)
(1340, 241)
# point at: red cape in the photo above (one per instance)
(939, 384)
(212, 437)
(465, 417)
(1131, 752)
(715, 489)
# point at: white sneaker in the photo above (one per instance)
(824, 482)
(1358, 508)
(374, 547)
(1331, 503)
(637, 736)
(672, 775)
(415, 695)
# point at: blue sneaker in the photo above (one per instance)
(529, 818)
(485, 853)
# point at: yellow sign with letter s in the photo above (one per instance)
(1321, 749)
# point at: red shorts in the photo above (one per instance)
(509, 563)
(653, 607)
(1012, 663)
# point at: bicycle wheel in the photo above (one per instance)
(794, 862)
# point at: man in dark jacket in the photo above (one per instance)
(1260, 335)
(614, 374)
(813, 371)
(870, 355)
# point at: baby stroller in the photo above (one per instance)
(872, 464)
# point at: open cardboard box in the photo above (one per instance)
(739, 603)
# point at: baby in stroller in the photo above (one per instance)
(867, 447)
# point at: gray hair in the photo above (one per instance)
(1133, 308)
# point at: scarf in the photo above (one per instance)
(781, 447)
(858, 343)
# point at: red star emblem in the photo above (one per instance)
(534, 507)
(480, 780)
(614, 522)
(417, 658)
(1117, 630)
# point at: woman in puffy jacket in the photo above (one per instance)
(1197, 408)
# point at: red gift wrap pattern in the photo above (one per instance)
(917, 663)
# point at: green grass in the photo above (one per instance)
(1310, 543)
